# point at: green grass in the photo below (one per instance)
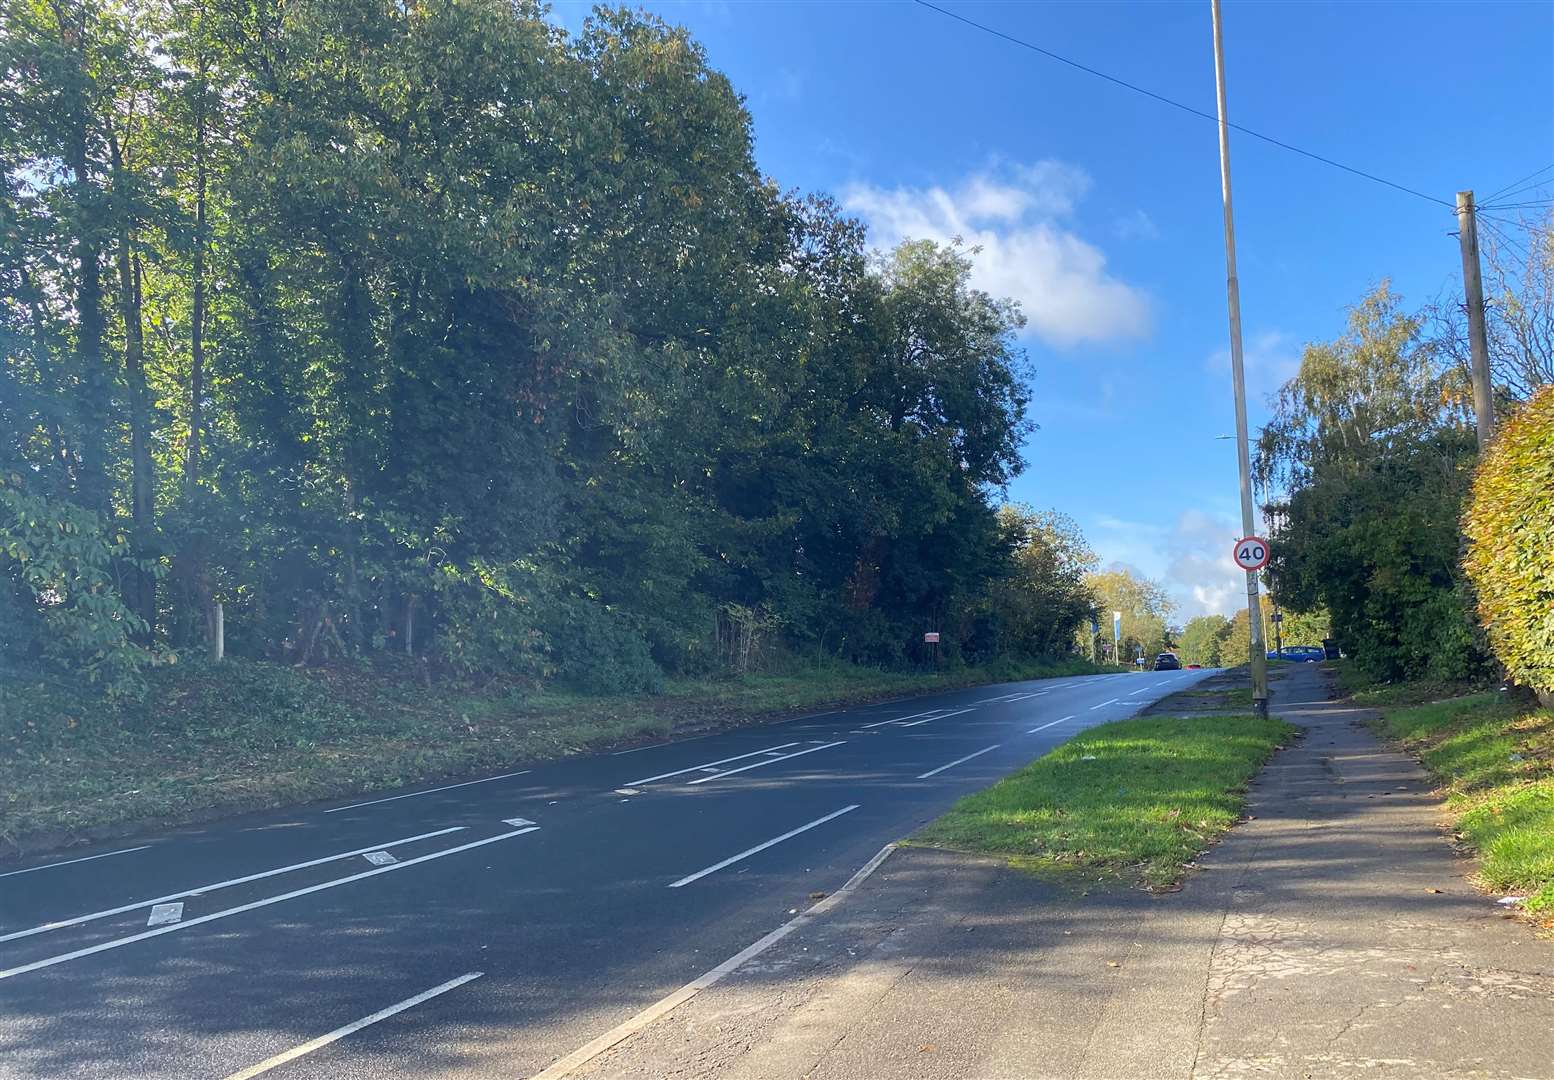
(1375, 694)
(1496, 764)
(210, 740)
(1159, 791)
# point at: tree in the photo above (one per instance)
(1145, 608)
(1371, 444)
(1203, 640)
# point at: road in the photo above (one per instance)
(496, 925)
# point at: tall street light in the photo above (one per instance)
(1259, 654)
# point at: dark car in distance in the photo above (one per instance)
(1167, 662)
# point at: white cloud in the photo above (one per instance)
(1136, 226)
(1199, 572)
(1025, 250)
(1270, 358)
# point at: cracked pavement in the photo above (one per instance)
(1310, 942)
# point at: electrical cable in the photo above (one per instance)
(1179, 105)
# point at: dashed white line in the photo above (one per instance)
(356, 1025)
(241, 908)
(957, 761)
(1054, 723)
(201, 889)
(71, 862)
(1103, 704)
(790, 834)
(896, 719)
(707, 765)
(766, 761)
(428, 791)
(379, 858)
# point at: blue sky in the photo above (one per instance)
(1100, 210)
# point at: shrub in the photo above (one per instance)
(1510, 527)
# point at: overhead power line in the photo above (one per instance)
(1022, 43)
(1521, 185)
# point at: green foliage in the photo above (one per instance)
(1510, 527)
(435, 330)
(1203, 641)
(1371, 443)
(1158, 791)
(59, 589)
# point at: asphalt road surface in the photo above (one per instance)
(486, 929)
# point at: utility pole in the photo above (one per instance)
(1259, 652)
(1473, 286)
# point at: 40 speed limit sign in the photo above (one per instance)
(1251, 553)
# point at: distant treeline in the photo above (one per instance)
(431, 330)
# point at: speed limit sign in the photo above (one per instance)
(1251, 553)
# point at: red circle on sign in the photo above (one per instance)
(1250, 553)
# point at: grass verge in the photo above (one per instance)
(1136, 799)
(243, 735)
(1495, 763)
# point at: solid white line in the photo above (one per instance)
(71, 862)
(266, 902)
(931, 719)
(957, 761)
(356, 1025)
(1103, 704)
(661, 745)
(666, 1005)
(428, 791)
(707, 765)
(765, 761)
(200, 890)
(1044, 727)
(790, 834)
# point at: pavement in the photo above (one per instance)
(494, 927)
(1333, 934)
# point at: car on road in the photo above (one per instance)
(1300, 654)
(1167, 662)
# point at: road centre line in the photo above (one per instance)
(200, 890)
(354, 1026)
(790, 834)
(766, 761)
(172, 928)
(1054, 723)
(670, 1002)
(429, 791)
(70, 862)
(1140, 690)
(707, 765)
(1103, 704)
(957, 761)
(941, 716)
(909, 716)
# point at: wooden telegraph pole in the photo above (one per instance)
(1478, 340)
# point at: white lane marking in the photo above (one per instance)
(200, 890)
(708, 764)
(957, 761)
(1103, 704)
(908, 716)
(766, 761)
(71, 862)
(942, 716)
(661, 745)
(241, 908)
(162, 914)
(745, 854)
(518, 821)
(666, 1005)
(379, 858)
(1054, 723)
(429, 791)
(355, 1025)
(1140, 690)
(627, 791)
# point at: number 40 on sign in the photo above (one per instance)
(1251, 553)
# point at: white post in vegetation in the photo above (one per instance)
(218, 631)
